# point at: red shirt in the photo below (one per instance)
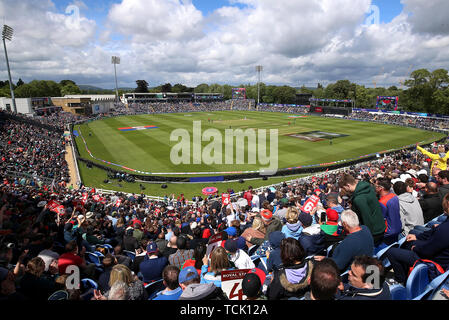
(67, 259)
(248, 196)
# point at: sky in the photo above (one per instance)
(298, 42)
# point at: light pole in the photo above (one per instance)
(115, 60)
(7, 35)
(258, 69)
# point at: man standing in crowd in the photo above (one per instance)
(389, 203)
(365, 205)
(431, 202)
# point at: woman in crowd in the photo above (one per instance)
(211, 270)
(291, 280)
(123, 274)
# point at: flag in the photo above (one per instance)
(118, 203)
(310, 204)
(84, 199)
(225, 197)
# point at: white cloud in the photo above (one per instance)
(153, 20)
(298, 42)
(430, 16)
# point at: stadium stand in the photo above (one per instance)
(44, 225)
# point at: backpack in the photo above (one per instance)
(434, 269)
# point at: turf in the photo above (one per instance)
(149, 150)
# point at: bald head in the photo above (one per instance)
(431, 187)
(173, 240)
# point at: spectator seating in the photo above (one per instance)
(417, 281)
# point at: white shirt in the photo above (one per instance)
(242, 260)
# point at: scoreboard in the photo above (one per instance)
(238, 93)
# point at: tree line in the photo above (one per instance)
(424, 91)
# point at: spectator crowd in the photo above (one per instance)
(129, 247)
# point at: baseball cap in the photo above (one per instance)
(231, 245)
(305, 219)
(332, 215)
(231, 231)
(266, 214)
(251, 285)
(422, 172)
(260, 274)
(152, 247)
(183, 275)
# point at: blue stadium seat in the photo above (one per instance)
(417, 281)
(260, 262)
(130, 254)
(433, 286)
(154, 287)
(381, 253)
(99, 254)
(108, 247)
(345, 276)
(93, 258)
(89, 284)
(252, 250)
(59, 295)
(398, 292)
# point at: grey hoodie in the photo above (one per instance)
(411, 212)
(199, 291)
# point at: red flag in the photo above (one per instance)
(310, 204)
(225, 198)
(52, 205)
(118, 203)
(84, 199)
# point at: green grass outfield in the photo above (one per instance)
(149, 150)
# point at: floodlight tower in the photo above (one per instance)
(115, 60)
(7, 35)
(259, 70)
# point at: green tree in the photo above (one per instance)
(70, 89)
(202, 88)
(142, 86)
(63, 83)
(284, 95)
(166, 87)
(441, 98)
(227, 92)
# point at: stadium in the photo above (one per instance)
(222, 192)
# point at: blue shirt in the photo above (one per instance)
(355, 244)
(169, 295)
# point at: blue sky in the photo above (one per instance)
(98, 9)
(221, 41)
(389, 9)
